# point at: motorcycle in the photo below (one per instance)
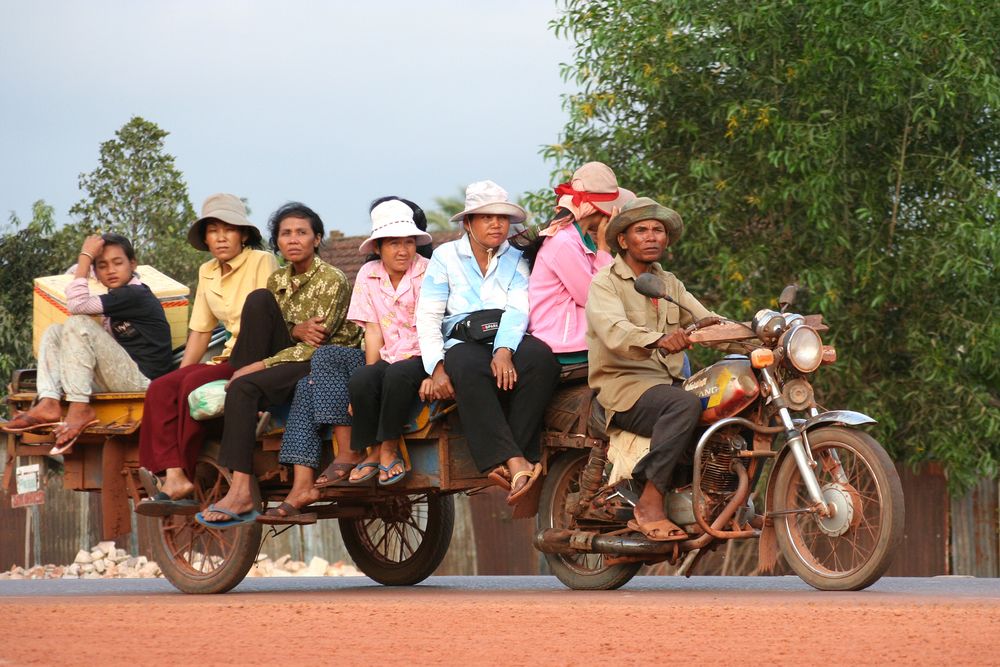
(832, 505)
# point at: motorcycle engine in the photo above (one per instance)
(717, 456)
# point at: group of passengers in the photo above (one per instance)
(478, 321)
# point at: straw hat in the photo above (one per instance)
(643, 208)
(488, 197)
(393, 219)
(225, 208)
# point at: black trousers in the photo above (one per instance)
(382, 397)
(493, 437)
(263, 332)
(667, 415)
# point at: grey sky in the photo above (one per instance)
(331, 103)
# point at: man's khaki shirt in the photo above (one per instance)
(622, 324)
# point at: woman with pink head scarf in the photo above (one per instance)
(565, 257)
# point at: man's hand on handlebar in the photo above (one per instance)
(676, 342)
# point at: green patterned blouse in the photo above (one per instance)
(322, 291)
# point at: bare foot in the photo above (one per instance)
(340, 468)
(516, 465)
(46, 411)
(387, 456)
(299, 498)
(235, 503)
(374, 457)
(78, 418)
(177, 490)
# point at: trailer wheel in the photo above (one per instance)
(407, 540)
(195, 558)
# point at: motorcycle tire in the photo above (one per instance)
(853, 548)
(583, 572)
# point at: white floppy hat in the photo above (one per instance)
(393, 219)
(488, 197)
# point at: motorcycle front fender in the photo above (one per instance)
(844, 417)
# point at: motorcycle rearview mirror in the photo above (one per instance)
(649, 285)
(787, 297)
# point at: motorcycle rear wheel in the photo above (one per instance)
(851, 550)
(582, 572)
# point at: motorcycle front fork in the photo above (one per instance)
(798, 443)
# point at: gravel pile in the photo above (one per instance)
(105, 561)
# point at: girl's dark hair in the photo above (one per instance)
(531, 248)
(419, 217)
(121, 242)
(294, 209)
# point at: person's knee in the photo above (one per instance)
(363, 381)
(463, 362)
(52, 333)
(689, 407)
(77, 325)
(259, 297)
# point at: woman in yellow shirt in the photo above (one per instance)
(170, 440)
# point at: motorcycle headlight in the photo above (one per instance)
(804, 348)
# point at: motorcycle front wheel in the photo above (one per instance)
(581, 572)
(851, 549)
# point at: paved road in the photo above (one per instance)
(503, 621)
(887, 588)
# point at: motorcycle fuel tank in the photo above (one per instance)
(725, 388)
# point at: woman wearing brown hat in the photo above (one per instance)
(564, 258)
(170, 440)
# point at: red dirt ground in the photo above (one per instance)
(447, 627)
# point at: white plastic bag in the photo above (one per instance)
(208, 400)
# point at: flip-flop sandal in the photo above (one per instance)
(671, 532)
(65, 447)
(500, 476)
(29, 424)
(526, 506)
(331, 477)
(394, 478)
(292, 516)
(233, 521)
(162, 505)
(516, 496)
(368, 475)
(263, 424)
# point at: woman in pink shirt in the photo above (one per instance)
(564, 259)
(384, 302)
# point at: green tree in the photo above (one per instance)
(438, 218)
(137, 191)
(26, 252)
(849, 146)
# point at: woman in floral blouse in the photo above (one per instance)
(303, 307)
(381, 393)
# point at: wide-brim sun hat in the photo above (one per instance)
(487, 197)
(596, 183)
(224, 208)
(637, 210)
(393, 219)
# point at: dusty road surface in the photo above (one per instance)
(500, 621)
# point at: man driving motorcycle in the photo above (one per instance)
(635, 356)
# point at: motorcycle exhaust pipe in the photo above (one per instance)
(568, 542)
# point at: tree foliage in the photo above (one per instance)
(27, 251)
(851, 147)
(137, 191)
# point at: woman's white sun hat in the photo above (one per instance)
(393, 219)
(488, 197)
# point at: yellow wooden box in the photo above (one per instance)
(50, 302)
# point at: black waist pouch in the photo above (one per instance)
(478, 327)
